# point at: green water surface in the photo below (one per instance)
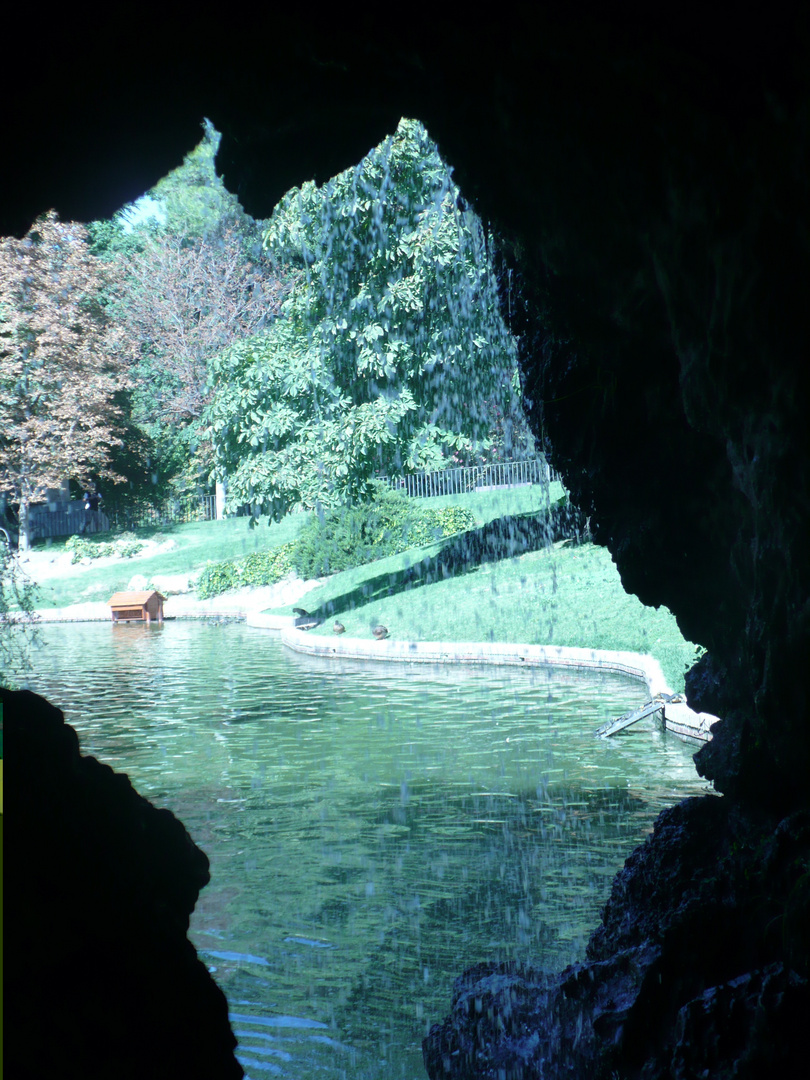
(372, 829)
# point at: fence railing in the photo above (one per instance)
(45, 524)
(502, 474)
(170, 512)
(69, 519)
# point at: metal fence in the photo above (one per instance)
(170, 512)
(502, 474)
(45, 523)
(68, 518)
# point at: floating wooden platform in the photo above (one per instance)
(136, 606)
(676, 716)
(632, 717)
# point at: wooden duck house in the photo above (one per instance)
(141, 606)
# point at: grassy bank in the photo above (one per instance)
(198, 543)
(193, 546)
(562, 595)
(490, 505)
(491, 585)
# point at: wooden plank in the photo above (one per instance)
(632, 717)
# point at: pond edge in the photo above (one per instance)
(677, 716)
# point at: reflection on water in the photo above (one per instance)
(372, 829)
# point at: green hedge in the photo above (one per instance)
(340, 540)
(437, 524)
(351, 536)
(259, 568)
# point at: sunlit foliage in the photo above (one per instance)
(18, 629)
(61, 363)
(391, 340)
(196, 280)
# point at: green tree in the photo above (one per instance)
(18, 629)
(186, 301)
(390, 338)
(192, 200)
(196, 279)
(62, 364)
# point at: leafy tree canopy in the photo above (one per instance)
(391, 338)
(196, 279)
(60, 363)
(193, 198)
(191, 202)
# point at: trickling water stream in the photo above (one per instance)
(372, 829)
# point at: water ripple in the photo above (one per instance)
(371, 829)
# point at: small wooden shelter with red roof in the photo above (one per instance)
(140, 606)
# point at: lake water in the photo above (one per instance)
(372, 828)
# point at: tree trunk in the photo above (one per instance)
(24, 542)
(221, 495)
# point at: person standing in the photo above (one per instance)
(90, 500)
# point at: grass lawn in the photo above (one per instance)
(218, 541)
(489, 505)
(562, 595)
(195, 544)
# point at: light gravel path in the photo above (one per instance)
(41, 564)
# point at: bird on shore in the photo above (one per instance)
(380, 632)
(305, 621)
(339, 628)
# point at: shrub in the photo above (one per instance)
(433, 525)
(124, 546)
(351, 536)
(217, 578)
(342, 539)
(267, 567)
(259, 568)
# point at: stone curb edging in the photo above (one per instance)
(678, 717)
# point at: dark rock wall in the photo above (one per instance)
(653, 204)
(646, 170)
(698, 968)
(100, 979)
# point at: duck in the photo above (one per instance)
(339, 628)
(305, 621)
(380, 632)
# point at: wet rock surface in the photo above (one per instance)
(700, 964)
(647, 174)
(100, 978)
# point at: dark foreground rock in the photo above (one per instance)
(645, 167)
(100, 978)
(700, 968)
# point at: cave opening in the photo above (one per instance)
(655, 205)
(581, 807)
